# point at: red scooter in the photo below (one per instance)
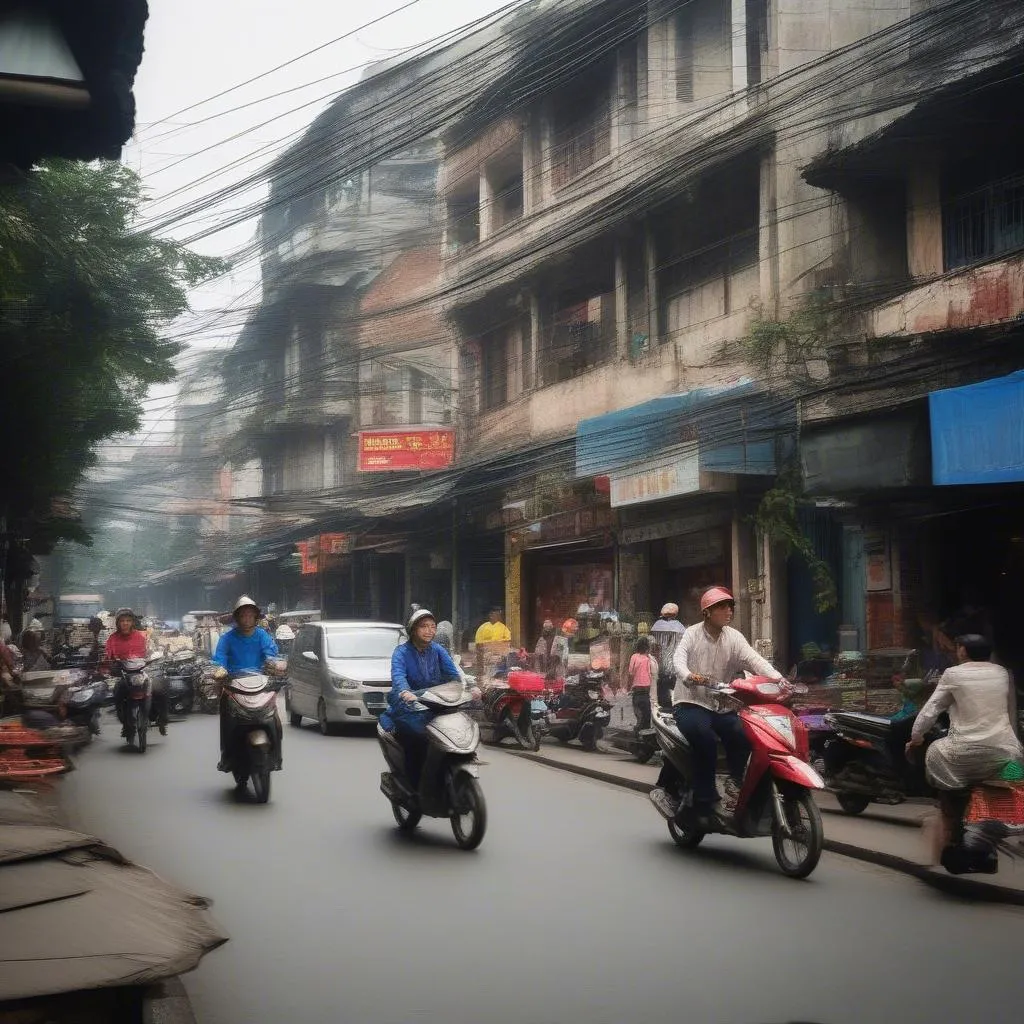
(777, 795)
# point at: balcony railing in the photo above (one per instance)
(987, 222)
(580, 146)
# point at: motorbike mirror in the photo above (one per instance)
(310, 656)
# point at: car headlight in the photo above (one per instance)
(341, 683)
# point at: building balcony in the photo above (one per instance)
(973, 297)
(647, 165)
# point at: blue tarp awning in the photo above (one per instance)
(738, 428)
(978, 432)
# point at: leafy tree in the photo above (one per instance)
(85, 303)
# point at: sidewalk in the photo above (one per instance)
(893, 837)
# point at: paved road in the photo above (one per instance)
(576, 908)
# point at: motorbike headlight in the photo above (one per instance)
(593, 694)
(341, 683)
(81, 696)
(783, 725)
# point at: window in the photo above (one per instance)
(580, 335)
(982, 214)
(581, 124)
(362, 643)
(464, 217)
(508, 200)
(494, 369)
(683, 24)
(757, 41)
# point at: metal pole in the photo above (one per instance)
(455, 572)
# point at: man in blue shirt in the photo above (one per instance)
(244, 648)
(417, 664)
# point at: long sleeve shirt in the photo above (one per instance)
(719, 660)
(977, 696)
(237, 652)
(413, 669)
(493, 632)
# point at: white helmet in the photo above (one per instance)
(669, 610)
(245, 602)
(284, 632)
(417, 616)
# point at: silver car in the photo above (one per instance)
(340, 672)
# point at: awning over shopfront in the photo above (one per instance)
(978, 432)
(866, 455)
(735, 428)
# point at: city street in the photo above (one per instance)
(577, 907)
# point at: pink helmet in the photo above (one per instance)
(716, 595)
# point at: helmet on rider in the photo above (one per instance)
(669, 610)
(245, 602)
(418, 616)
(124, 613)
(284, 632)
(713, 596)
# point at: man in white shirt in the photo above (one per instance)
(713, 652)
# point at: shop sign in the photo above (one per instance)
(566, 526)
(668, 528)
(392, 451)
(315, 552)
(654, 481)
(695, 549)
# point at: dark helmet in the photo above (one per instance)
(124, 613)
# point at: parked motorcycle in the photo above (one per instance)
(866, 761)
(180, 674)
(88, 693)
(208, 692)
(514, 707)
(581, 712)
(252, 704)
(449, 784)
(777, 795)
(66, 695)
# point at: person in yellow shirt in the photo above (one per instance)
(493, 630)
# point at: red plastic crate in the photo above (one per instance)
(997, 803)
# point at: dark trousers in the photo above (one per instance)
(415, 743)
(666, 683)
(642, 706)
(703, 729)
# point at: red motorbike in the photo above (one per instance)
(777, 795)
(514, 705)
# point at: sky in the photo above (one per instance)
(196, 49)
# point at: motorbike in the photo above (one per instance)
(88, 693)
(138, 700)
(776, 798)
(865, 761)
(180, 682)
(62, 696)
(449, 784)
(252, 705)
(581, 712)
(514, 706)
(208, 693)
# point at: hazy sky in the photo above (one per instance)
(196, 49)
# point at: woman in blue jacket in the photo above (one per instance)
(417, 664)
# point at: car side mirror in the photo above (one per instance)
(310, 656)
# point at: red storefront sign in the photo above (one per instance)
(316, 553)
(390, 451)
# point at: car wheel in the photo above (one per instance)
(326, 727)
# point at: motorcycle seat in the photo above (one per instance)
(876, 725)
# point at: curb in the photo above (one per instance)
(956, 885)
(167, 1002)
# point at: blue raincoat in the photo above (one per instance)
(412, 669)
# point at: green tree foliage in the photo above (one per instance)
(85, 304)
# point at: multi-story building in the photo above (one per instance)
(648, 254)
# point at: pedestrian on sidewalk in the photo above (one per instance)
(667, 633)
(493, 630)
(641, 673)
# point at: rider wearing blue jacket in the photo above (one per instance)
(416, 665)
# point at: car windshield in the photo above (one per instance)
(361, 643)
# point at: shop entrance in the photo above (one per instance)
(555, 584)
(684, 566)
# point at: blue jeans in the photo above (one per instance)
(703, 729)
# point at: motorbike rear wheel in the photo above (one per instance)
(798, 855)
(685, 836)
(853, 803)
(589, 737)
(525, 739)
(469, 821)
(645, 751)
(407, 820)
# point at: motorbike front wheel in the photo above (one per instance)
(141, 726)
(798, 854)
(469, 819)
(589, 737)
(260, 776)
